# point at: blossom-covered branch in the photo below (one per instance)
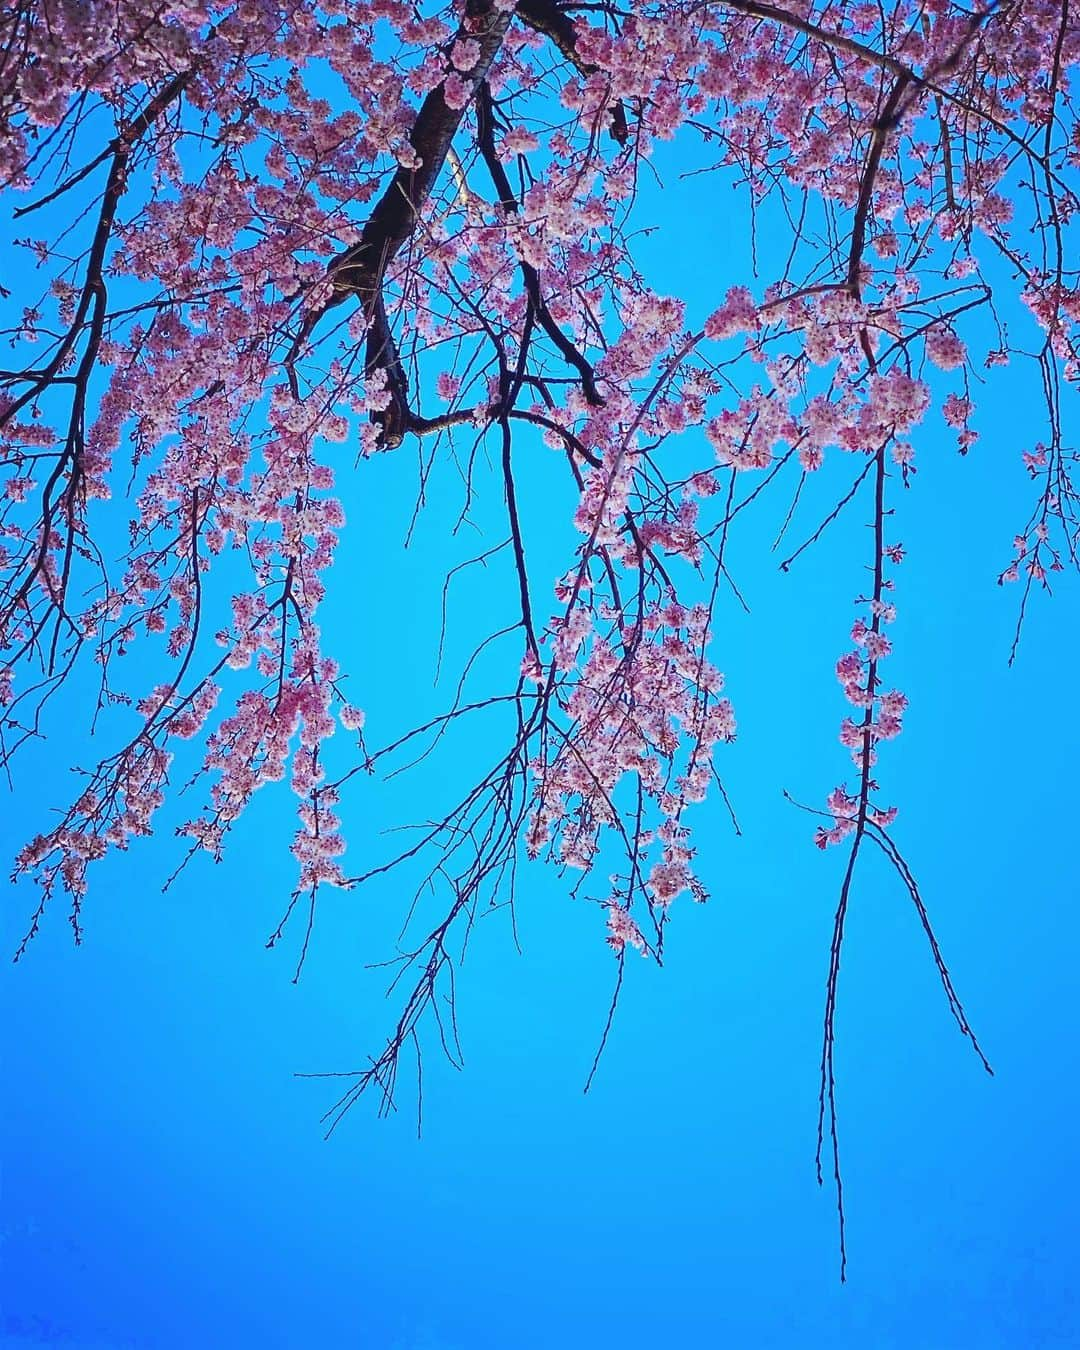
(272, 241)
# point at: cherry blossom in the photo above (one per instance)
(262, 244)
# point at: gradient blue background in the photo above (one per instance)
(166, 1183)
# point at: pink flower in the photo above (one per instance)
(878, 645)
(464, 54)
(738, 314)
(956, 410)
(457, 92)
(352, 719)
(944, 348)
(623, 931)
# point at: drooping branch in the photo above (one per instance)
(64, 487)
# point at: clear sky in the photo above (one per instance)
(166, 1184)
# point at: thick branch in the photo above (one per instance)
(485, 139)
(361, 268)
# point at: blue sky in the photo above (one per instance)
(166, 1183)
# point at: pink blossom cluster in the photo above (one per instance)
(623, 932)
(118, 804)
(255, 746)
(882, 719)
(302, 233)
(646, 710)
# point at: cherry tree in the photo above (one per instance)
(258, 243)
